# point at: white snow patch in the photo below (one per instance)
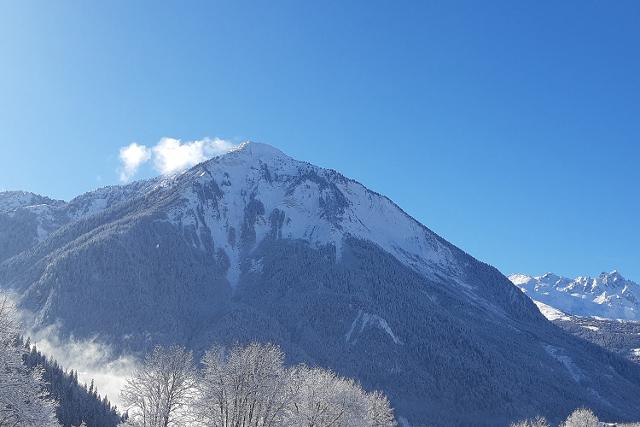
(364, 319)
(549, 312)
(520, 279)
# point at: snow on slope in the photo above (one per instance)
(258, 184)
(40, 216)
(251, 187)
(550, 312)
(608, 296)
(12, 200)
(426, 342)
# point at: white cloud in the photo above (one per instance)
(132, 157)
(170, 155)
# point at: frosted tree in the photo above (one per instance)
(324, 399)
(581, 417)
(379, 412)
(251, 387)
(23, 401)
(534, 422)
(162, 389)
(244, 387)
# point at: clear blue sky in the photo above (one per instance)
(510, 128)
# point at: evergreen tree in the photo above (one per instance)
(77, 404)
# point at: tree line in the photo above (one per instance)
(246, 387)
(240, 386)
(581, 417)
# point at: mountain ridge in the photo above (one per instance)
(254, 245)
(608, 295)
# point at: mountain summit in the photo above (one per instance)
(254, 245)
(608, 295)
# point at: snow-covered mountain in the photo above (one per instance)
(27, 219)
(609, 295)
(254, 245)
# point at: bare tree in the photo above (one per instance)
(162, 389)
(244, 387)
(581, 417)
(325, 399)
(250, 387)
(23, 401)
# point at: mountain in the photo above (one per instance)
(254, 245)
(27, 219)
(602, 310)
(608, 295)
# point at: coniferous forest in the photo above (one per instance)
(76, 403)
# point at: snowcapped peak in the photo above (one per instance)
(613, 275)
(612, 279)
(253, 151)
(12, 200)
(608, 295)
(257, 191)
(259, 149)
(520, 279)
(550, 277)
(250, 156)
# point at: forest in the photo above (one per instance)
(238, 386)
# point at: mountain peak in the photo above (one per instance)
(549, 276)
(613, 275)
(256, 246)
(607, 295)
(258, 150)
(11, 200)
(519, 279)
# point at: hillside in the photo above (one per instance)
(254, 245)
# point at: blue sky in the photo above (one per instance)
(510, 128)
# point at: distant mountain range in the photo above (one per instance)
(608, 295)
(603, 310)
(254, 245)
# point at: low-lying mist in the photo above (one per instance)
(92, 360)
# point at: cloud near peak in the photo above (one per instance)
(132, 157)
(170, 155)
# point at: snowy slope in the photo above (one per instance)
(13, 200)
(254, 245)
(314, 204)
(27, 219)
(608, 295)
